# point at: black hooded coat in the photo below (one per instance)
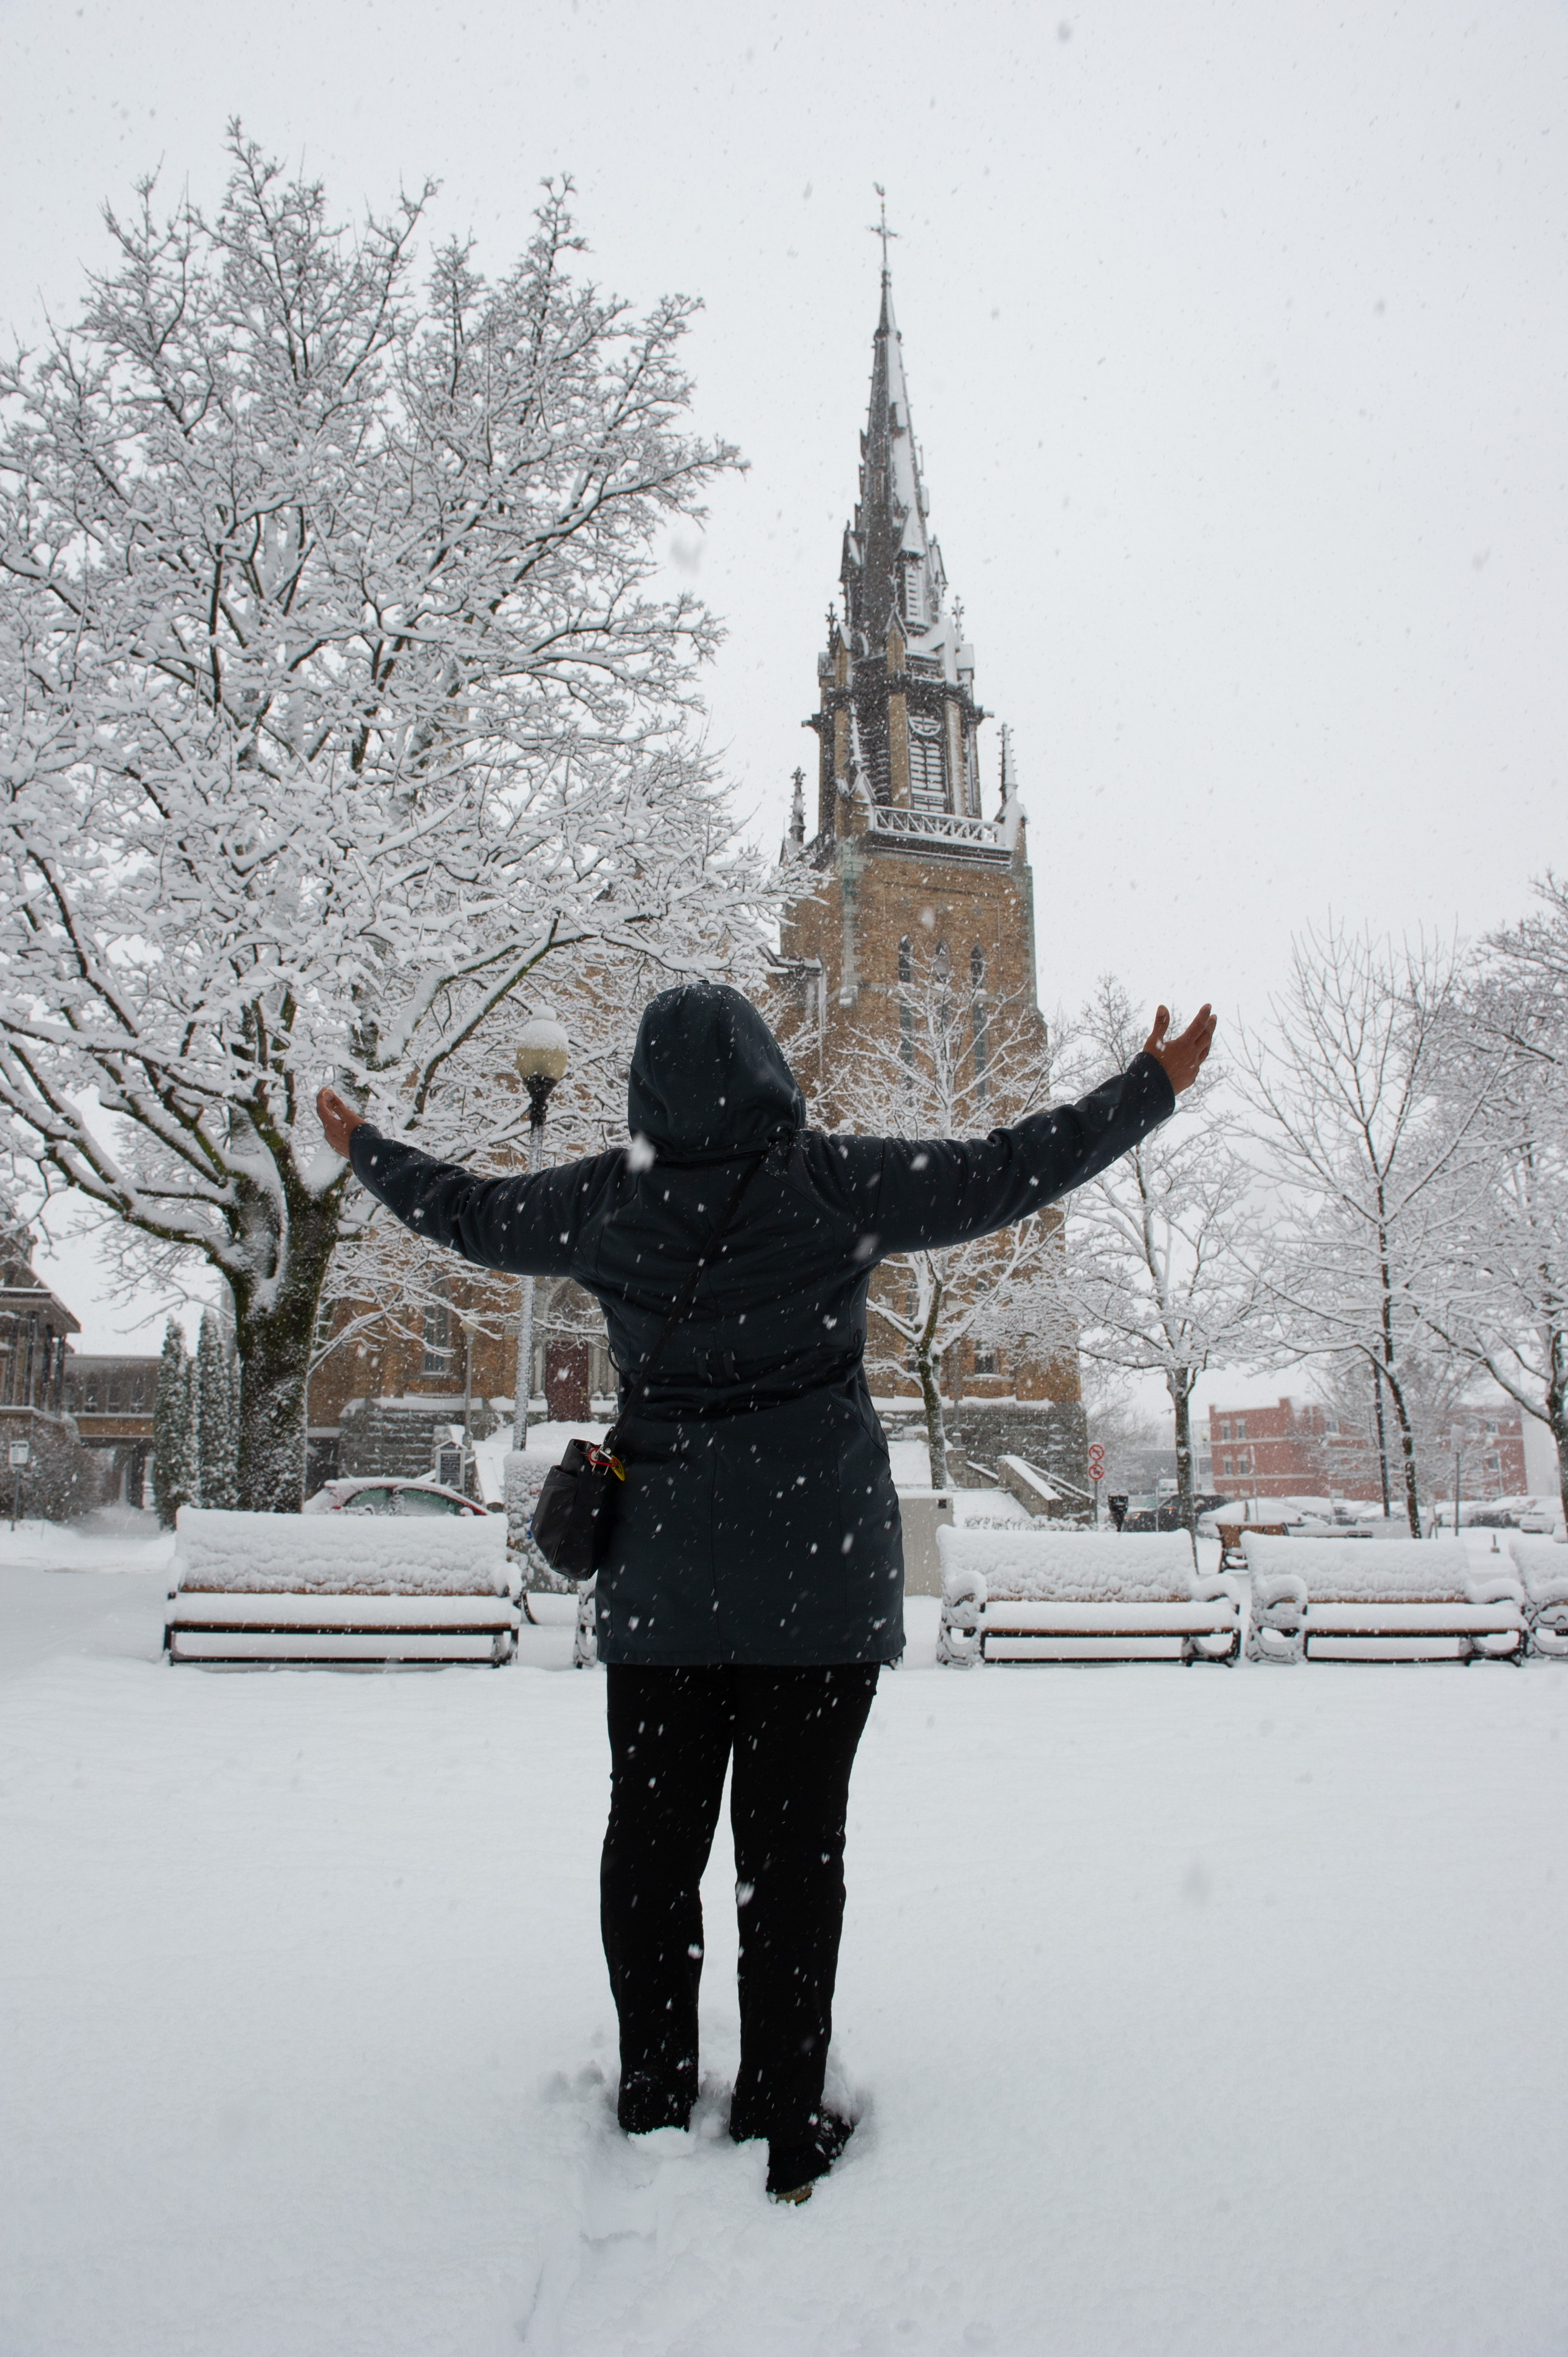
(758, 1520)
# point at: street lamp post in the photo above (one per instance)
(1458, 1438)
(542, 1057)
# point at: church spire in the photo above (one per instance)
(892, 569)
(897, 718)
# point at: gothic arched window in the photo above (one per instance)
(928, 763)
(436, 1356)
(905, 1012)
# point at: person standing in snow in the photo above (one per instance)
(754, 1582)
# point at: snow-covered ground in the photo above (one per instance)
(1201, 2012)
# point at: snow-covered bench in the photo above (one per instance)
(1542, 1567)
(340, 1589)
(1074, 1595)
(1389, 1600)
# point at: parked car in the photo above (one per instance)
(1497, 1514)
(384, 1497)
(1146, 1513)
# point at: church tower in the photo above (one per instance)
(909, 892)
(903, 851)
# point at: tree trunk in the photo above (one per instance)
(1557, 1414)
(1178, 1382)
(1386, 1369)
(936, 1428)
(928, 1367)
(274, 1334)
(1383, 1435)
(1407, 1451)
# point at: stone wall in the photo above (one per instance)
(388, 1440)
(1050, 1435)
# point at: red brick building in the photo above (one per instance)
(1298, 1449)
(1495, 1458)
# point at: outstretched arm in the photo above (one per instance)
(932, 1193)
(528, 1225)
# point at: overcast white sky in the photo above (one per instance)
(1236, 342)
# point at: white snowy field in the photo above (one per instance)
(1200, 2010)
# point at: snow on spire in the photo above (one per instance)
(1010, 817)
(891, 565)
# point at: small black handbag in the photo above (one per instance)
(575, 1512)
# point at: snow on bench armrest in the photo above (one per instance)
(341, 1555)
(1070, 1567)
(1542, 1564)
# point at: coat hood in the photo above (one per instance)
(708, 1078)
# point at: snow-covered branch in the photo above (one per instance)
(341, 709)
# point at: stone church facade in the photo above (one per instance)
(905, 874)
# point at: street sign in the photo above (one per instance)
(20, 1453)
(1096, 1462)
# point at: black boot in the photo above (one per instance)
(646, 2104)
(794, 2168)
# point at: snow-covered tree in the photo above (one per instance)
(1373, 1154)
(1505, 1306)
(1436, 1383)
(1154, 1272)
(217, 1416)
(960, 1061)
(339, 704)
(176, 1470)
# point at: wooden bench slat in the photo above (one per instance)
(1342, 1618)
(1402, 1648)
(1127, 1646)
(254, 1645)
(1019, 1614)
(234, 1607)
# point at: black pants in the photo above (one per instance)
(793, 1733)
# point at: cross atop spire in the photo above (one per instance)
(887, 324)
(880, 229)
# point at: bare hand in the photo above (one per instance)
(340, 1121)
(1182, 1056)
